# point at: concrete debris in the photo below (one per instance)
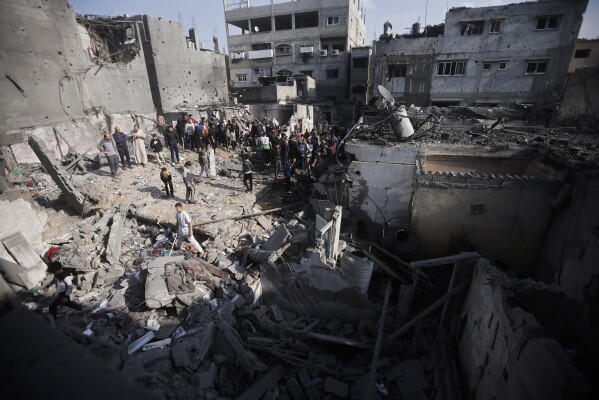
(115, 239)
(74, 199)
(34, 269)
(282, 302)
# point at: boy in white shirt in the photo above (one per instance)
(185, 230)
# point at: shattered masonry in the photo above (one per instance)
(431, 252)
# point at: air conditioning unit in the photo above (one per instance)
(334, 52)
(323, 53)
(306, 49)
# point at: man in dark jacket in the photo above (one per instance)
(171, 142)
(122, 145)
(247, 173)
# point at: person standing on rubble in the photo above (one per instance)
(288, 174)
(189, 133)
(171, 142)
(247, 173)
(203, 159)
(265, 145)
(156, 147)
(64, 288)
(106, 147)
(167, 179)
(180, 129)
(122, 145)
(138, 141)
(185, 230)
(190, 189)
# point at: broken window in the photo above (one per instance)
(397, 71)
(261, 25)
(536, 67)
(452, 68)
(582, 53)
(548, 22)
(306, 20)
(471, 28)
(360, 62)
(283, 22)
(495, 26)
(486, 66)
(241, 78)
(332, 73)
(110, 40)
(283, 50)
(333, 21)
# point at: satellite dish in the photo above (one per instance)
(386, 94)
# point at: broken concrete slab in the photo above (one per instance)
(21, 216)
(115, 239)
(22, 252)
(157, 294)
(264, 222)
(205, 379)
(74, 199)
(280, 236)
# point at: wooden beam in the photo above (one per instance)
(427, 311)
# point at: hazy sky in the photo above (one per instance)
(209, 15)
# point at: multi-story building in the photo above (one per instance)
(498, 55)
(283, 39)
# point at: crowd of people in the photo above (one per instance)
(284, 150)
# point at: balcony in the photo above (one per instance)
(258, 54)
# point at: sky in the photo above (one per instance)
(210, 19)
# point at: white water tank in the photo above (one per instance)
(357, 268)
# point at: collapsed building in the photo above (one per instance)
(443, 252)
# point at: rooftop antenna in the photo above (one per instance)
(180, 17)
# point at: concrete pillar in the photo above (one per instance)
(72, 196)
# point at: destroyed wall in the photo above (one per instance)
(382, 189)
(571, 248)
(503, 218)
(181, 77)
(518, 43)
(48, 77)
(267, 94)
(580, 96)
(405, 67)
(502, 343)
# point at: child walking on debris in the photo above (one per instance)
(190, 189)
(185, 230)
(64, 287)
(167, 179)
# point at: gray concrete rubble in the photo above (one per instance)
(74, 199)
(420, 253)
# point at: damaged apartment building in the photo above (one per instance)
(447, 249)
(513, 54)
(294, 52)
